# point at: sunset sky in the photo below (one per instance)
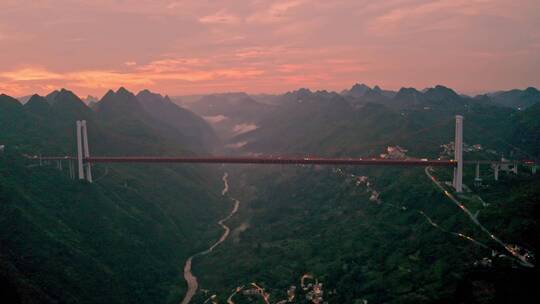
(197, 46)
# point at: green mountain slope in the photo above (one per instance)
(322, 222)
(517, 99)
(404, 245)
(122, 239)
(192, 126)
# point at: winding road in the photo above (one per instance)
(191, 280)
(473, 218)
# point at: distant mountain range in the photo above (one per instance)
(517, 99)
(249, 122)
(361, 93)
(363, 120)
(229, 113)
(256, 123)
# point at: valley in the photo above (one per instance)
(368, 234)
(269, 152)
(191, 280)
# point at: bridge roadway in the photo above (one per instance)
(274, 160)
(282, 160)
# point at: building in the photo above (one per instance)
(394, 152)
(2, 148)
(477, 147)
(361, 180)
(508, 167)
(448, 149)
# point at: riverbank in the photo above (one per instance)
(191, 280)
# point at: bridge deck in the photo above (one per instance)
(275, 160)
(281, 160)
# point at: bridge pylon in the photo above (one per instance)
(83, 151)
(458, 155)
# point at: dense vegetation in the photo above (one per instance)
(122, 239)
(125, 237)
(318, 221)
(313, 220)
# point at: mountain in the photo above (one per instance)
(517, 99)
(239, 106)
(68, 105)
(360, 94)
(8, 103)
(230, 113)
(302, 114)
(90, 99)
(24, 99)
(10, 111)
(163, 109)
(527, 130)
(38, 105)
(122, 239)
(376, 95)
(441, 94)
(408, 97)
(125, 113)
(121, 103)
(325, 123)
(271, 99)
(357, 90)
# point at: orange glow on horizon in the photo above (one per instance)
(196, 47)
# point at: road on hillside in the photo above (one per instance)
(473, 218)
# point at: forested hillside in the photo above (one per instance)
(381, 234)
(122, 239)
(323, 222)
(372, 235)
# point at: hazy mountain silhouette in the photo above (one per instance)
(163, 109)
(230, 113)
(517, 98)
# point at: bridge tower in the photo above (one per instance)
(477, 178)
(83, 151)
(86, 152)
(458, 155)
(496, 168)
(80, 150)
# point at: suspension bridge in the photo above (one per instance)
(84, 161)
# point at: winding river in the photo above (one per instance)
(191, 280)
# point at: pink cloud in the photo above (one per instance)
(220, 17)
(276, 11)
(184, 47)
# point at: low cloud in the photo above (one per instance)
(215, 119)
(30, 74)
(243, 128)
(138, 77)
(237, 145)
